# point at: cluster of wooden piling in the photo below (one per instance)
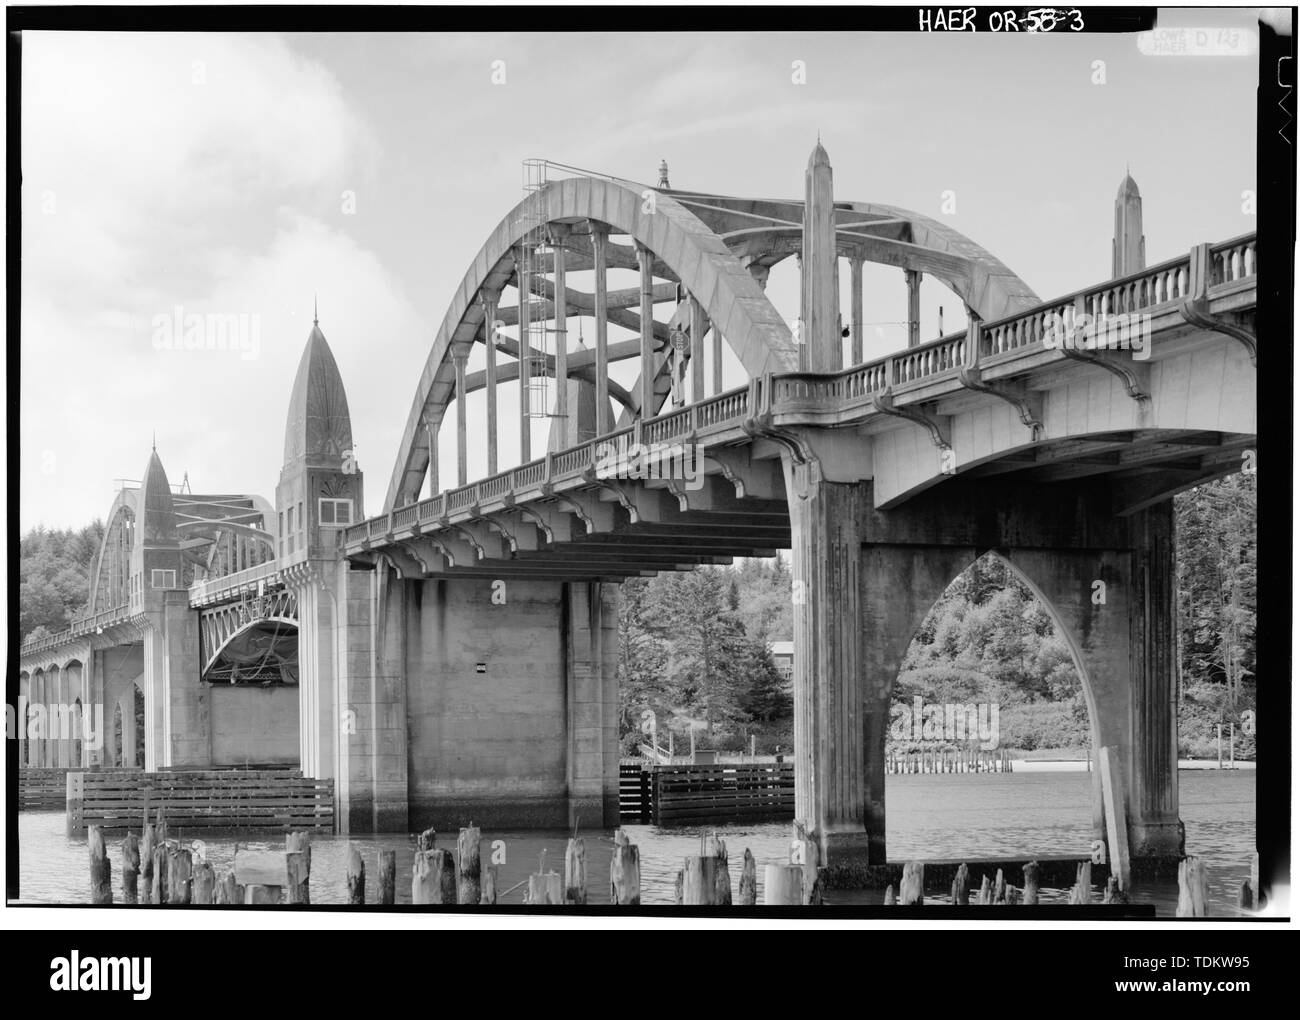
(438, 876)
(998, 890)
(157, 869)
(705, 878)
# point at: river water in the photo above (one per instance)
(965, 816)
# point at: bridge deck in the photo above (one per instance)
(576, 480)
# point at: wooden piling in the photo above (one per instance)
(1031, 884)
(1113, 893)
(1193, 888)
(699, 882)
(130, 868)
(228, 890)
(297, 847)
(624, 872)
(783, 885)
(984, 897)
(1081, 891)
(101, 867)
(146, 864)
(545, 889)
(706, 880)
(356, 876)
(911, 890)
(444, 867)
(890, 899)
(433, 877)
(203, 884)
(160, 873)
(424, 883)
(999, 888)
(748, 880)
(712, 846)
(387, 877)
(488, 886)
(1013, 896)
(679, 888)
(469, 865)
(426, 839)
(575, 871)
(808, 849)
(961, 886)
(180, 870)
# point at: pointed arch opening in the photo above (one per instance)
(117, 745)
(992, 726)
(137, 752)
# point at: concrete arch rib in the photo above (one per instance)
(279, 621)
(733, 301)
(122, 514)
(771, 229)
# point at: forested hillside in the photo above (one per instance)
(54, 576)
(692, 644)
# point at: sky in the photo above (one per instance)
(249, 175)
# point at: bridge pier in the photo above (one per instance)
(458, 700)
(864, 580)
(177, 719)
(121, 670)
(832, 770)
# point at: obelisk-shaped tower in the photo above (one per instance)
(820, 342)
(1129, 248)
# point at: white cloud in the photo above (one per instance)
(145, 189)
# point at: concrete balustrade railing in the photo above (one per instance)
(1232, 260)
(218, 587)
(78, 628)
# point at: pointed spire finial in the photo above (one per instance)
(315, 318)
(154, 444)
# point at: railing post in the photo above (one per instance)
(549, 459)
(1200, 271)
(974, 337)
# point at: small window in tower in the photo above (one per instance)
(334, 513)
(162, 579)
